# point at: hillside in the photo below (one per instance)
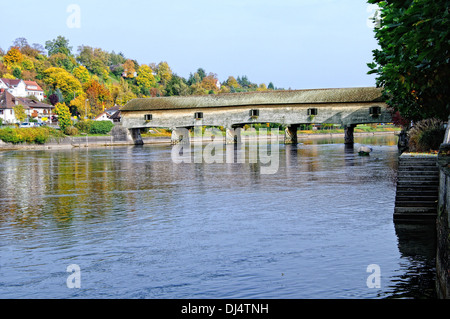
(91, 79)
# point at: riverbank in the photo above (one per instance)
(332, 135)
(110, 140)
(78, 142)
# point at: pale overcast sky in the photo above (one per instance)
(297, 44)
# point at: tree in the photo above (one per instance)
(81, 73)
(262, 87)
(66, 82)
(17, 72)
(80, 106)
(95, 60)
(27, 63)
(39, 48)
(116, 59)
(61, 60)
(53, 98)
(19, 112)
(202, 73)
(145, 79)
(13, 57)
(164, 72)
(63, 113)
(244, 82)
(193, 78)
(124, 93)
(197, 89)
(129, 69)
(231, 82)
(98, 95)
(58, 45)
(209, 82)
(20, 43)
(3, 70)
(177, 86)
(412, 64)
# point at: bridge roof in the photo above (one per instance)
(282, 97)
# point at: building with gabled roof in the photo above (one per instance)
(33, 108)
(7, 103)
(21, 88)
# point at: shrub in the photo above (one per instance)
(84, 126)
(426, 135)
(101, 127)
(38, 135)
(32, 135)
(9, 135)
(71, 130)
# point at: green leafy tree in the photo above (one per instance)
(58, 45)
(95, 60)
(61, 60)
(193, 79)
(177, 86)
(412, 63)
(116, 58)
(202, 73)
(164, 72)
(17, 72)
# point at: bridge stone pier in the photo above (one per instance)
(346, 106)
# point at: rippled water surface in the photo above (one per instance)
(141, 226)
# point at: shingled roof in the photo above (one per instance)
(343, 95)
(8, 101)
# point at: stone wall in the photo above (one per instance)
(443, 225)
(117, 137)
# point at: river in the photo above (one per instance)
(136, 224)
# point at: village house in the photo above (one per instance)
(112, 114)
(21, 88)
(33, 109)
(102, 117)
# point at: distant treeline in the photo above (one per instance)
(93, 79)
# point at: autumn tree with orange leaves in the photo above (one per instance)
(98, 95)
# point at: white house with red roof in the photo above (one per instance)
(21, 88)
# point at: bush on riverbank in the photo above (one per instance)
(94, 127)
(32, 135)
(426, 135)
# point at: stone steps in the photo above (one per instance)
(417, 189)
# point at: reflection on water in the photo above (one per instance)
(140, 226)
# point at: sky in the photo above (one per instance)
(295, 44)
